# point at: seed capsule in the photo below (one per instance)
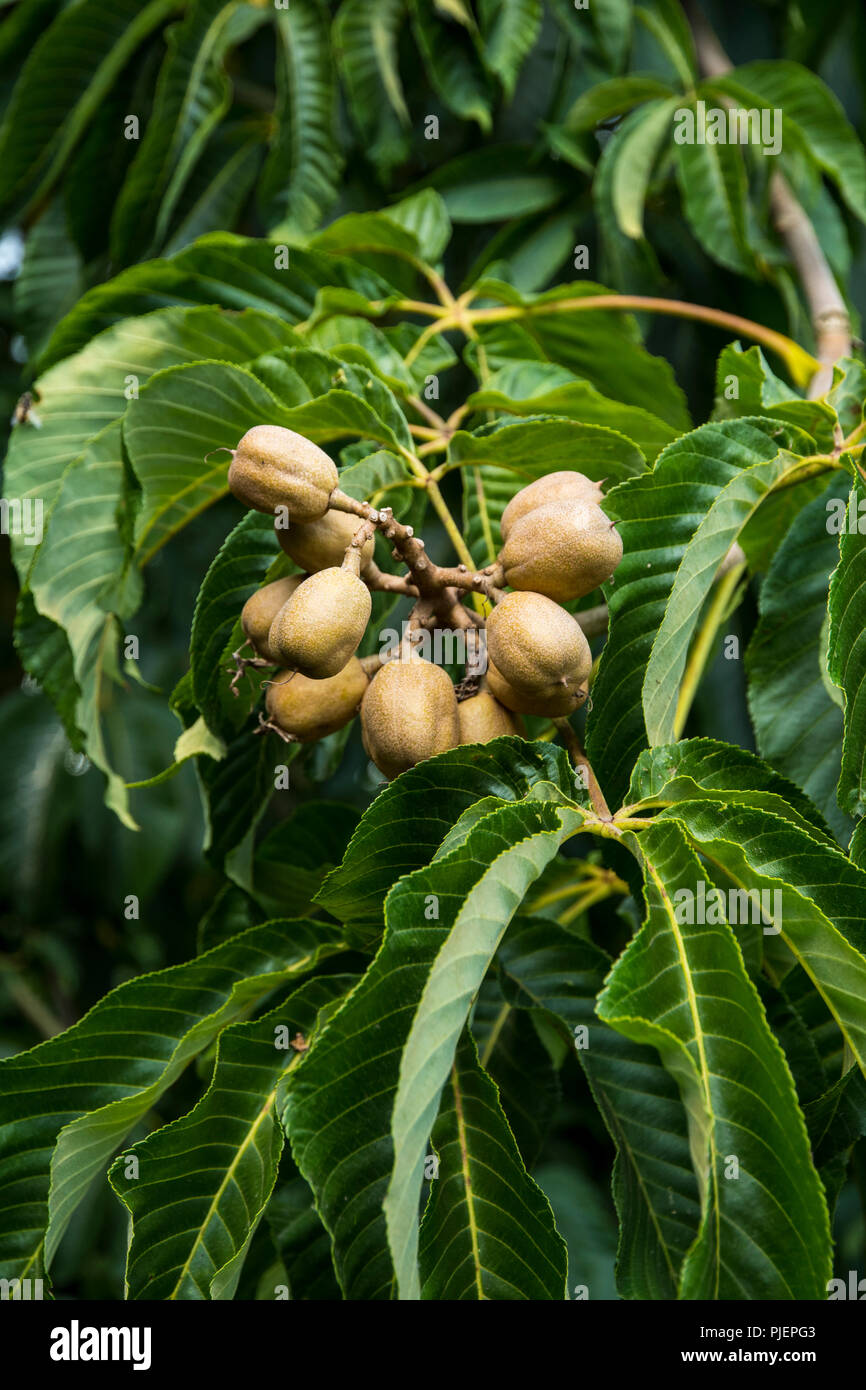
(274, 467)
(311, 709)
(322, 624)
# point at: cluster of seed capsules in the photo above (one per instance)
(558, 545)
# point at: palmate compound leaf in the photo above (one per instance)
(233, 272)
(543, 388)
(797, 723)
(365, 37)
(683, 989)
(704, 769)
(199, 1186)
(66, 1105)
(846, 656)
(408, 820)
(76, 399)
(75, 62)
(813, 899)
(301, 178)
(542, 965)
(360, 1111)
(192, 95)
(677, 523)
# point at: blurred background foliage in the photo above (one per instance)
(273, 121)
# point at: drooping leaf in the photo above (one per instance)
(846, 655)
(482, 1203)
(192, 96)
(67, 73)
(301, 178)
(66, 1105)
(365, 39)
(199, 1187)
(677, 524)
(679, 987)
(543, 965)
(797, 725)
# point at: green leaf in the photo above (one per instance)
(513, 454)
(634, 149)
(66, 1105)
(79, 582)
(233, 272)
(706, 769)
(202, 1183)
(474, 888)
(486, 879)
(535, 388)
(69, 71)
(813, 118)
(482, 1202)
(543, 965)
(497, 184)
(237, 570)
(509, 29)
(602, 348)
(684, 990)
(612, 22)
(613, 98)
(79, 397)
(452, 65)
(406, 823)
(798, 727)
(180, 417)
(745, 385)
(846, 656)
(365, 38)
(714, 190)
(50, 279)
(301, 178)
(192, 96)
(814, 899)
(302, 1240)
(297, 853)
(217, 189)
(677, 524)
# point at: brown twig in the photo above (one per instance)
(831, 322)
(580, 760)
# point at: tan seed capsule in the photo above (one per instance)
(553, 701)
(482, 718)
(563, 550)
(553, 487)
(409, 713)
(274, 467)
(312, 709)
(322, 624)
(537, 647)
(319, 545)
(262, 607)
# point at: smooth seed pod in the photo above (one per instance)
(260, 610)
(563, 550)
(322, 624)
(319, 545)
(554, 702)
(409, 713)
(483, 718)
(275, 467)
(538, 648)
(312, 709)
(565, 486)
